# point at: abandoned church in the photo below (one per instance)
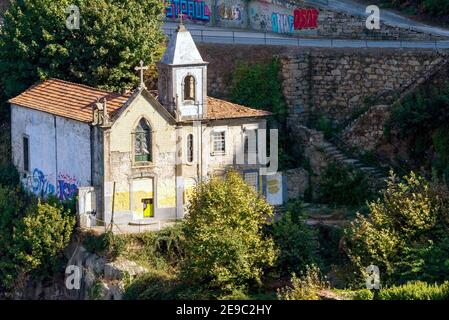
(119, 153)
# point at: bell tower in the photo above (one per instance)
(183, 77)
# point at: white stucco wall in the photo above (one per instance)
(59, 152)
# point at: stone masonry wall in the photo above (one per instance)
(336, 82)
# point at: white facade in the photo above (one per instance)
(59, 152)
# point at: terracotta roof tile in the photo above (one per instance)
(74, 101)
(67, 99)
(221, 109)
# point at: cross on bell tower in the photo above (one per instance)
(142, 68)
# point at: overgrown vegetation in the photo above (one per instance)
(305, 287)
(413, 290)
(113, 37)
(405, 233)
(259, 86)
(33, 234)
(296, 241)
(225, 248)
(422, 121)
(219, 251)
(341, 185)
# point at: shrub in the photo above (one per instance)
(416, 290)
(106, 244)
(404, 234)
(225, 247)
(296, 241)
(42, 235)
(162, 285)
(344, 186)
(259, 86)
(9, 176)
(363, 294)
(32, 237)
(305, 287)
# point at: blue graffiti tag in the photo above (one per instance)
(195, 10)
(282, 23)
(42, 187)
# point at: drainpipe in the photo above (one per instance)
(56, 153)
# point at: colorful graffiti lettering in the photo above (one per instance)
(68, 187)
(226, 12)
(42, 187)
(195, 10)
(282, 23)
(40, 184)
(305, 19)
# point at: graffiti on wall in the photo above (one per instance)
(229, 12)
(282, 23)
(194, 10)
(41, 185)
(305, 19)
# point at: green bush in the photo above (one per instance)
(106, 244)
(259, 86)
(32, 237)
(225, 248)
(296, 241)
(340, 185)
(405, 233)
(9, 176)
(160, 250)
(162, 285)
(363, 294)
(416, 290)
(421, 121)
(305, 287)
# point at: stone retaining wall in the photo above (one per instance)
(336, 82)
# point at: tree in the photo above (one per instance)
(114, 35)
(405, 233)
(32, 236)
(296, 240)
(225, 248)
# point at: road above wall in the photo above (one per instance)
(206, 34)
(358, 9)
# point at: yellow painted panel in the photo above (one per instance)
(122, 202)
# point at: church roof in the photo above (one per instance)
(221, 109)
(74, 101)
(67, 99)
(181, 49)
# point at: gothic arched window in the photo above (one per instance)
(189, 88)
(142, 142)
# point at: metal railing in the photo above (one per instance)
(265, 38)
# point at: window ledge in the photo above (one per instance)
(143, 164)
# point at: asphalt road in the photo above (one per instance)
(206, 34)
(358, 9)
